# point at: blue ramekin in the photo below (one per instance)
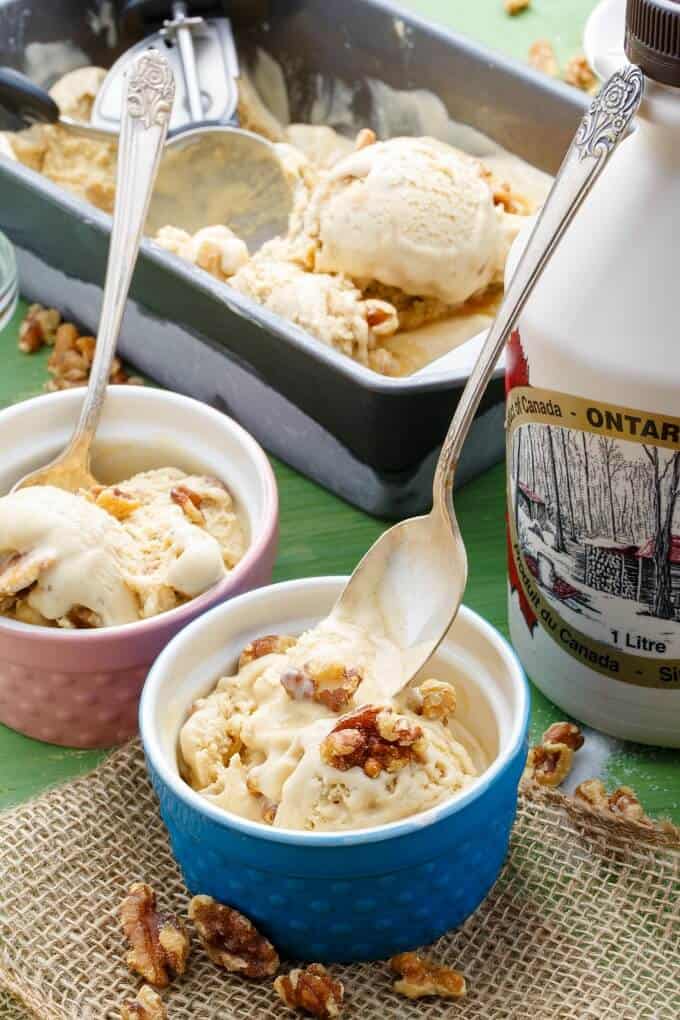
(348, 896)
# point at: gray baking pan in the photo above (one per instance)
(372, 440)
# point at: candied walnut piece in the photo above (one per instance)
(160, 944)
(313, 990)
(433, 699)
(71, 359)
(332, 684)
(364, 138)
(38, 328)
(298, 684)
(503, 194)
(147, 1005)
(542, 57)
(624, 801)
(189, 502)
(549, 764)
(580, 74)
(420, 977)
(116, 502)
(231, 940)
(269, 644)
(382, 317)
(373, 738)
(83, 618)
(513, 7)
(593, 792)
(20, 570)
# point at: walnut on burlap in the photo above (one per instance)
(584, 921)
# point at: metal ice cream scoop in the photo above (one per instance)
(213, 171)
(409, 585)
(144, 123)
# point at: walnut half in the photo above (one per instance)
(313, 990)
(231, 940)
(420, 977)
(159, 942)
(147, 1005)
(373, 738)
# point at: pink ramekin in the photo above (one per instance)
(82, 688)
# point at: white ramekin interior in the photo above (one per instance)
(491, 687)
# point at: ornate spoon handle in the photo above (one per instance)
(605, 124)
(148, 102)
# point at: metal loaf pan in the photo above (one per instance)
(372, 440)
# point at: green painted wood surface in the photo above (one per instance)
(322, 535)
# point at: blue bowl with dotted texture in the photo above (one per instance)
(346, 896)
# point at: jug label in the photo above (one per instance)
(594, 529)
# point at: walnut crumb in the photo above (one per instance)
(564, 733)
(420, 977)
(159, 942)
(116, 502)
(269, 644)
(147, 1005)
(364, 138)
(312, 990)
(231, 940)
(542, 58)
(433, 699)
(190, 504)
(580, 74)
(38, 328)
(513, 7)
(373, 738)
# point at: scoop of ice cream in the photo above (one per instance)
(69, 553)
(329, 306)
(412, 213)
(264, 743)
(115, 554)
(75, 92)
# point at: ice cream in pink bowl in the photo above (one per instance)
(80, 686)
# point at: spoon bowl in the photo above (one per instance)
(408, 586)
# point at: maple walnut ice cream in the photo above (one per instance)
(385, 237)
(117, 554)
(306, 736)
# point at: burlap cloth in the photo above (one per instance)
(583, 923)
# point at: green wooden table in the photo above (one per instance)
(322, 535)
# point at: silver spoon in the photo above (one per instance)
(148, 102)
(409, 585)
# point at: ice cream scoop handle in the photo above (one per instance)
(605, 124)
(146, 111)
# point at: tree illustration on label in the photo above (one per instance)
(662, 546)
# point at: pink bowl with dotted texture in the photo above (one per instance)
(82, 688)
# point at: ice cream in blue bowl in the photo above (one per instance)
(346, 824)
